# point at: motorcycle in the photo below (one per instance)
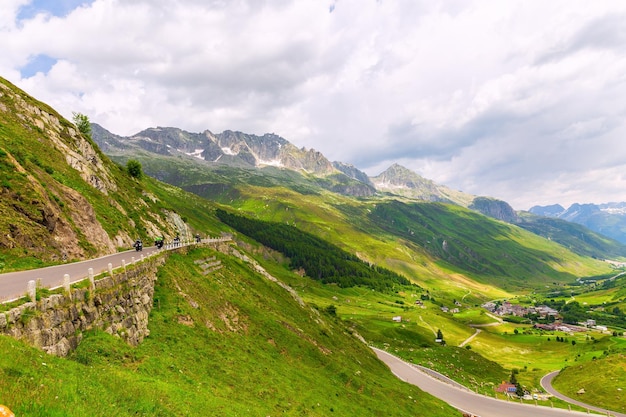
(138, 246)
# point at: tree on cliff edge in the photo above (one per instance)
(82, 123)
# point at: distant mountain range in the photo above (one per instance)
(608, 219)
(227, 157)
(246, 151)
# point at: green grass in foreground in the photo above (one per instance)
(248, 349)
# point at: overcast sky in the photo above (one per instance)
(519, 100)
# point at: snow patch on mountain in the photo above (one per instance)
(273, 163)
(197, 153)
(390, 185)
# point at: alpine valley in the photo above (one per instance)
(459, 283)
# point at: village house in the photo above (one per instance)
(490, 306)
(506, 387)
(547, 327)
(544, 311)
(507, 309)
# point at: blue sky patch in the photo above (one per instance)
(38, 63)
(57, 8)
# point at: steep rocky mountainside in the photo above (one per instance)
(608, 219)
(353, 172)
(497, 209)
(234, 150)
(228, 147)
(60, 196)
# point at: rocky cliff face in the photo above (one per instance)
(353, 172)
(60, 196)
(37, 211)
(494, 208)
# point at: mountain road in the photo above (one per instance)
(14, 284)
(466, 400)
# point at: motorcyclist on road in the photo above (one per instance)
(138, 245)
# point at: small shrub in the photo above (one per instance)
(133, 167)
(331, 310)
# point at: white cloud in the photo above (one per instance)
(519, 100)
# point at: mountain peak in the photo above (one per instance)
(399, 176)
(400, 180)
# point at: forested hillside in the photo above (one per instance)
(318, 258)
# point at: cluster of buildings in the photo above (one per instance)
(508, 309)
(542, 312)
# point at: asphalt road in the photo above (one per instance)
(546, 383)
(13, 284)
(466, 400)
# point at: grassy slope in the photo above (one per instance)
(40, 192)
(478, 248)
(370, 314)
(248, 349)
(609, 393)
(482, 255)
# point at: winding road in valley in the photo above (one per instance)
(14, 285)
(468, 401)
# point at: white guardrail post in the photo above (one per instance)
(92, 282)
(32, 291)
(66, 284)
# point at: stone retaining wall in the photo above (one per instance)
(119, 304)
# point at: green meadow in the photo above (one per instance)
(244, 346)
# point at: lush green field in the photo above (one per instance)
(603, 381)
(247, 349)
